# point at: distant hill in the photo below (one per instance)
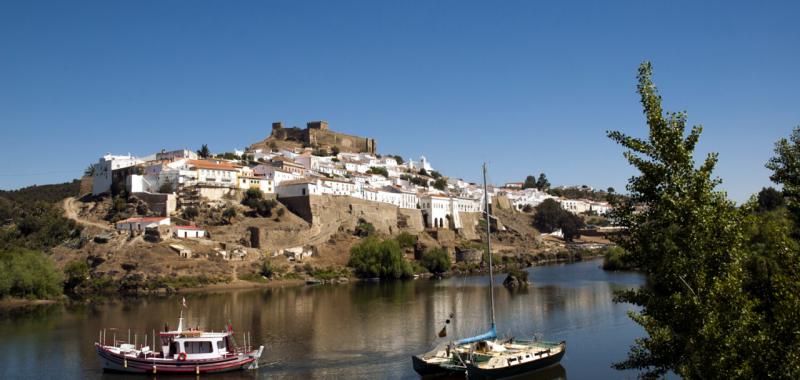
(42, 193)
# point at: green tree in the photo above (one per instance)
(379, 171)
(76, 273)
(785, 166)
(436, 260)
(28, 274)
(399, 159)
(770, 199)
(542, 183)
(423, 172)
(550, 217)
(190, 213)
(204, 152)
(254, 199)
(375, 258)
(686, 241)
(440, 184)
(530, 182)
(229, 214)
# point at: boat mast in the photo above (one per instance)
(488, 241)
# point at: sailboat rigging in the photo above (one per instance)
(484, 356)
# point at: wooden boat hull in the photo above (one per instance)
(119, 363)
(477, 373)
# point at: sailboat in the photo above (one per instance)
(485, 356)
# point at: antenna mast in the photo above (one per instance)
(488, 240)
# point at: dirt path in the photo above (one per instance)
(71, 212)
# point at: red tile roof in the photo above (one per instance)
(214, 165)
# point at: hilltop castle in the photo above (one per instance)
(316, 134)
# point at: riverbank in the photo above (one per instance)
(9, 303)
(241, 284)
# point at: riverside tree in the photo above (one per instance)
(379, 258)
(687, 241)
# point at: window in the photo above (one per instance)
(221, 344)
(198, 347)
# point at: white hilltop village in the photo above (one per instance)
(171, 180)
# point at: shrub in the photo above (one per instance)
(375, 258)
(190, 213)
(616, 258)
(254, 199)
(166, 188)
(436, 260)
(440, 184)
(364, 229)
(228, 214)
(378, 170)
(76, 273)
(406, 240)
(267, 269)
(520, 274)
(28, 274)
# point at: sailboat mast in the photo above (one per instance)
(488, 241)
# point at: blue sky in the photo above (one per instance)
(527, 86)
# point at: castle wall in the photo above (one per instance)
(323, 137)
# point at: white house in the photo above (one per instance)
(276, 175)
(215, 173)
(186, 232)
(438, 211)
(600, 208)
(337, 186)
(140, 224)
(575, 206)
(102, 175)
(176, 155)
(298, 188)
(264, 184)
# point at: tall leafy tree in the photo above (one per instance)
(530, 182)
(542, 183)
(686, 241)
(785, 168)
(204, 152)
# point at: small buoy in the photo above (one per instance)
(126, 362)
(197, 370)
(154, 368)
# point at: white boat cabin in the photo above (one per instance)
(193, 345)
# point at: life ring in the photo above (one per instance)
(182, 356)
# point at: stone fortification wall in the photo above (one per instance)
(469, 225)
(334, 213)
(345, 143)
(317, 134)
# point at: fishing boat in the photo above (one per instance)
(485, 356)
(183, 351)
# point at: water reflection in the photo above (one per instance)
(362, 330)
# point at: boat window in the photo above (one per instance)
(173, 348)
(221, 344)
(198, 347)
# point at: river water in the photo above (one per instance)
(359, 330)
